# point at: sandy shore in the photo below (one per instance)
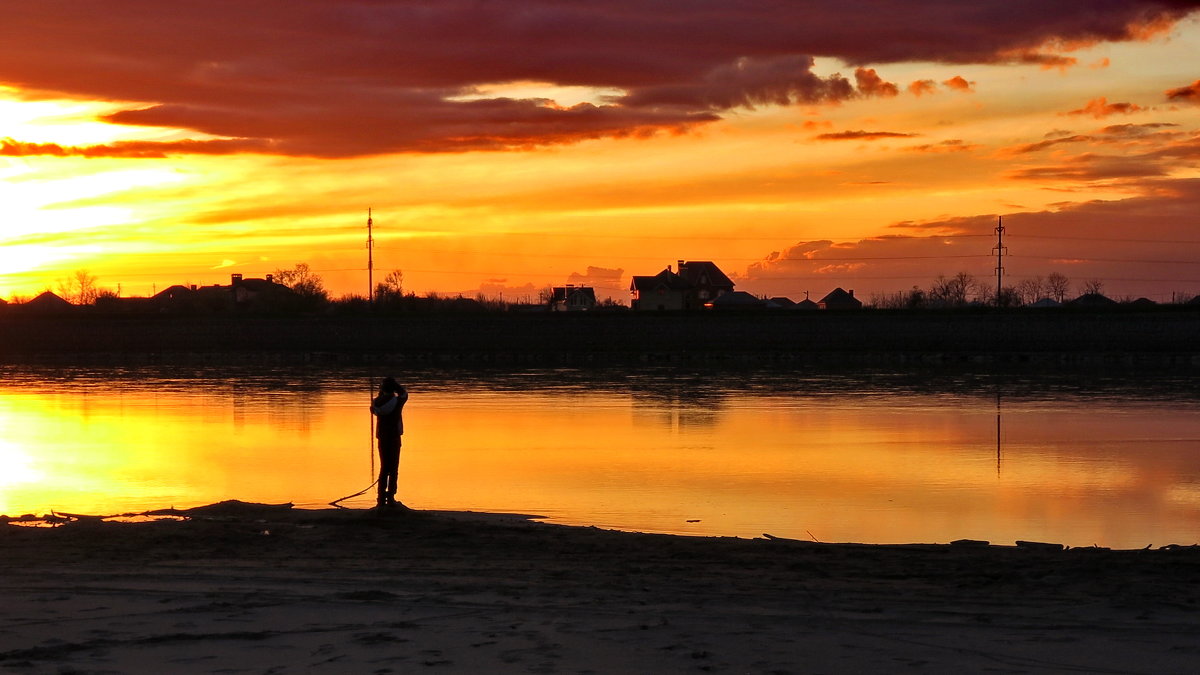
(247, 589)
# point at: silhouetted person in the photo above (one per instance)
(388, 406)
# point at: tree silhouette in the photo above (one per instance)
(392, 286)
(304, 282)
(79, 288)
(1058, 285)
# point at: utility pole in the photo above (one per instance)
(370, 261)
(1000, 250)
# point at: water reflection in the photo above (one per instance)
(880, 457)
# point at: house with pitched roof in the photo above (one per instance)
(707, 280)
(571, 298)
(47, 303)
(696, 285)
(839, 298)
(665, 291)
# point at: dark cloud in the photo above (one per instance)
(1174, 152)
(1135, 130)
(357, 77)
(745, 84)
(1189, 94)
(131, 149)
(1138, 246)
(1049, 143)
(861, 135)
(952, 145)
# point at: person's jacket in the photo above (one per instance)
(388, 409)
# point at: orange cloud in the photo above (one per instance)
(1188, 94)
(1101, 108)
(870, 84)
(957, 83)
(922, 87)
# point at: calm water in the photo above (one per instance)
(878, 457)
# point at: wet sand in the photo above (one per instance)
(238, 588)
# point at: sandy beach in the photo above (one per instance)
(238, 588)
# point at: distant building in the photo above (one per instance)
(241, 294)
(1092, 300)
(840, 299)
(572, 298)
(665, 291)
(47, 303)
(697, 284)
(707, 280)
(738, 300)
(780, 302)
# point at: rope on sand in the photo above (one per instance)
(335, 503)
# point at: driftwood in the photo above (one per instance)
(1039, 546)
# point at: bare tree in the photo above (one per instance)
(1093, 286)
(306, 283)
(1058, 285)
(79, 288)
(954, 291)
(1031, 290)
(392, 286)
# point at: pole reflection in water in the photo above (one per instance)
(874, 458)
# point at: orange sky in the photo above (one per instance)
(868, 144)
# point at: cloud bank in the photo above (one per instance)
(340, 78)
(1140, 245)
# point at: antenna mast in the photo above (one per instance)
(1000, 250)
(370, 261)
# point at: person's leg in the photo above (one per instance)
(381, 483)
(389, 468)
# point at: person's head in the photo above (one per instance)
(389, 386)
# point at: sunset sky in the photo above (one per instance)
(507, 146)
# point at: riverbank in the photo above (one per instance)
(1159, 337)
(245, 588)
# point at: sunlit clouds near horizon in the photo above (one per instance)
(502, 148)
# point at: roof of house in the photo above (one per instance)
(1092, 300)
(260, 285)
(738, 299)
(806, 304)
(563, 293)
(173, 292)
(840, 296)
(704, 273)
(48, 300)
(665, 278)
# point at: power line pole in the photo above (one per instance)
(370, 261)
(1000, 250)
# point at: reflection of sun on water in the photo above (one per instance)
(16, 468)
